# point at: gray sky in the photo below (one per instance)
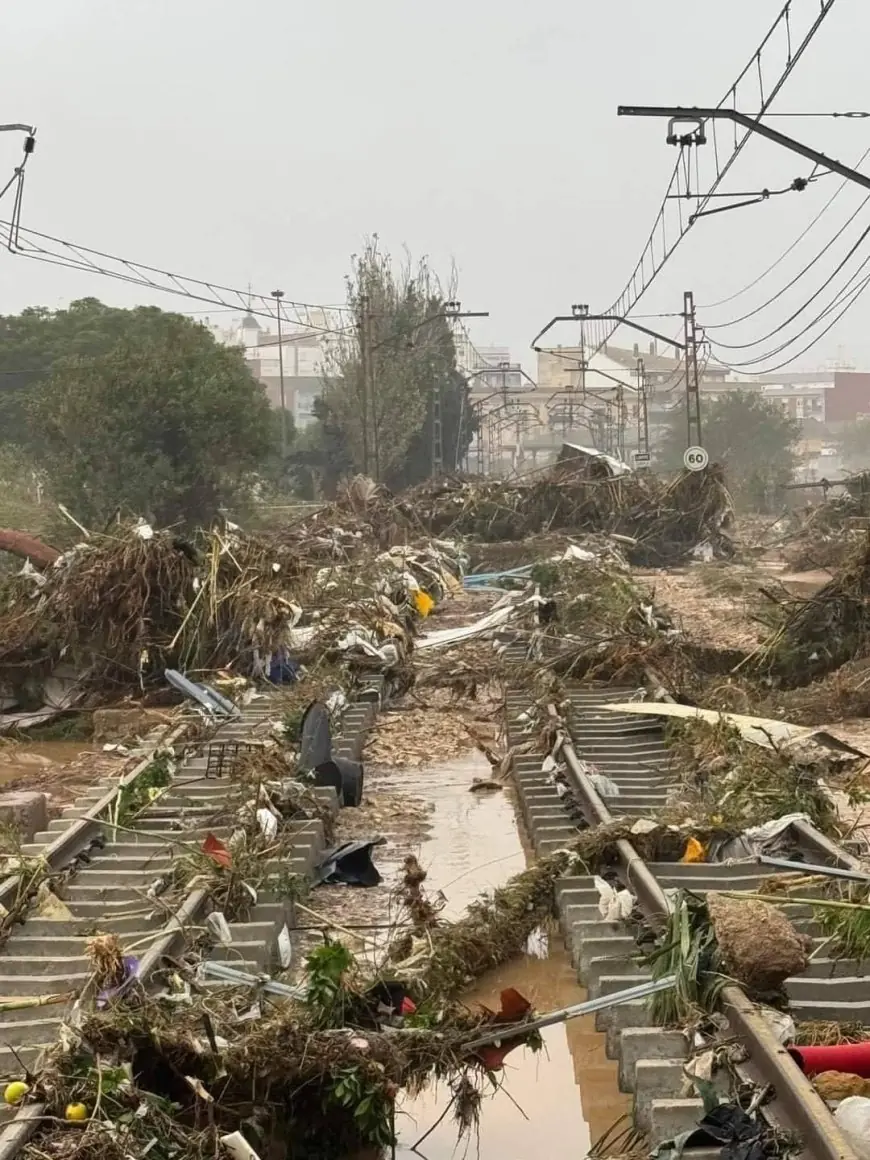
(260, 142)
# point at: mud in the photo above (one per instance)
(20, 759)
(470, 843)
(61, 769)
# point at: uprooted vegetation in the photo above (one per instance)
(124, 607)
(321, 1066)
(664, 520)
(728, 783)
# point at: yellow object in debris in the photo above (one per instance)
(451, 584)
(694, 851)
(76, 1112)
(423, 602)
(15, 1092)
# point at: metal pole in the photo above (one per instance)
(362, 326)
(693, 394)
(278, 295)
(698, 116)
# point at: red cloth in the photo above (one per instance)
(852, 1058)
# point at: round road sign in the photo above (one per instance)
(695, 459)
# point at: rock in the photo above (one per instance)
(759, 946)
(27, 812)
(125, 724)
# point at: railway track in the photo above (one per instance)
(112, 875)
(630, 750)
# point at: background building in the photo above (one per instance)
(304, 350)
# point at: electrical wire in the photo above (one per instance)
(823, 313)
(28, 243)
(650, 263)
(789, 249)
(796, 314)
(787, 362)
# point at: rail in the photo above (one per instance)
(803, 1107)
(72, 842)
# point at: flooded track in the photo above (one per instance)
(470, 843)
(630, 750)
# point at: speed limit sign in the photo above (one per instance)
(695, 459)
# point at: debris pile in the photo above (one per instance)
(729, 784)
(323, 1060)
(667, 521)
(819, 634)
(124, 607)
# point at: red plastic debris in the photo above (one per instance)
(217, 851)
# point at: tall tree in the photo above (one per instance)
(383, 379)
(151, 415)
(750, 435)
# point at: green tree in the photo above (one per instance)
(34, 340)
(144, 412)
(751, 436)
(383, 378)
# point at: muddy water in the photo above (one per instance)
(569, 1090)
(472, 843)
(23, 759)
(804, 583)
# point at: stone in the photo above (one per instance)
(26, 812)
(125, 724)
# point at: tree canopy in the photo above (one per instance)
(750, 435)
(385, 374)
(133, 409)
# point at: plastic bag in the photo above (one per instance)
(694, 852)
(853, 1116)
(613, 905)
(604, 787)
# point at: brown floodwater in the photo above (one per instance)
(804, 583)
(24, 759)
(569, 1090)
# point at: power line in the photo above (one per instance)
(823, 313)
(54, 251)
(787, 362)
(789, 249)
(666, 234)
(778, 329)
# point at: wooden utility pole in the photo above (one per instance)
(693, 394)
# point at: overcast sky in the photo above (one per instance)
(260, 142)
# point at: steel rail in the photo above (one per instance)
(802, 1105)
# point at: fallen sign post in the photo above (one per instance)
(695, 459)
(602, 1003)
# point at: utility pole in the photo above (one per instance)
(620, 422)
(278, 295)
(452, 311)
(363, 339)
(693, 394)
(642, 414)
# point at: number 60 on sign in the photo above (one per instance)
(695, 459)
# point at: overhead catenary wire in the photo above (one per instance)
(666, 235)
(42, 247)
(800, 310)
(850, 288)
(793, 358)
(787, 251)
